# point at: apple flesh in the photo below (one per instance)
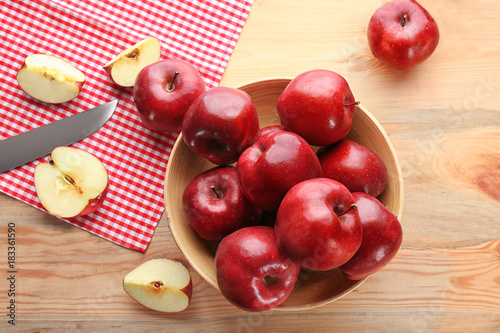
(317, 225)
(73, 182)
(221, 124)
(402, 34)
(215, 205)
(160, 284)
(382, 237)
(272, 165)
(357, 167)
(251, 272)
(50, 79)
(163, 91)
(318, 105)
(124, 68)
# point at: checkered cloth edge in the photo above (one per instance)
(88, 34)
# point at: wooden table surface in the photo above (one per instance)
(443, 118)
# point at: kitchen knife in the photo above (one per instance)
(40, 141)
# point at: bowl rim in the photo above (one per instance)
(398, 210)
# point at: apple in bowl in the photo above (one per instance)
(72, 183)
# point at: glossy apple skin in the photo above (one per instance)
(402, 34)
(251, 273)
(272, 165)
(382, 237)
(317, 225)
(162, 98)
(357, 167)
(221, 124)
(215, 205)
(317, 105)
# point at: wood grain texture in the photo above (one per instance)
(443, 119)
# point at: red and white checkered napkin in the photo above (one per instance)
(89, 33)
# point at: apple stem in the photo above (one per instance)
(404, 20)
(171, 85)
(353, 104)
(217, 194)
(351, 207)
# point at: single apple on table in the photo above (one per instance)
(50, 79)
(215, 205)
(124, 68)
(382, 237)
(357, 167)
(272, 165)
(221, 124)
(251, 272)
(160, 284)
(317, 105)
(402, 34)
(163, 91)
(317, 225)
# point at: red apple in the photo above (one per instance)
(73, 183)
(251, 273)
(163, 91)
(382, 237)
(221, 124)
(272, 165)
(215, 205)
(318, 225)
(317, 105)
(357, 167)
(402, 34)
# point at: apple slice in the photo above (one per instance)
(124, 68)
(50, 79)
(73, 182)
(160, 284)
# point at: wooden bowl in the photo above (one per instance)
(313, 288)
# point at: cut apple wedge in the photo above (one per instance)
(50, 79)
(123, 68)
(74, 182)
(160, 284)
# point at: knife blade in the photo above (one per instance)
(28, 146)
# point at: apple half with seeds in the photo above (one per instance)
(160, 284)
(50, 79)
(124, 68)
(72, 183)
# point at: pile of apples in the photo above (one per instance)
(275, 204)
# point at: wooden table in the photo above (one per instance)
(443, 118)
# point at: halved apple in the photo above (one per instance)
(123, 68)
(74, 182)
(50, 79)
(160, 284)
